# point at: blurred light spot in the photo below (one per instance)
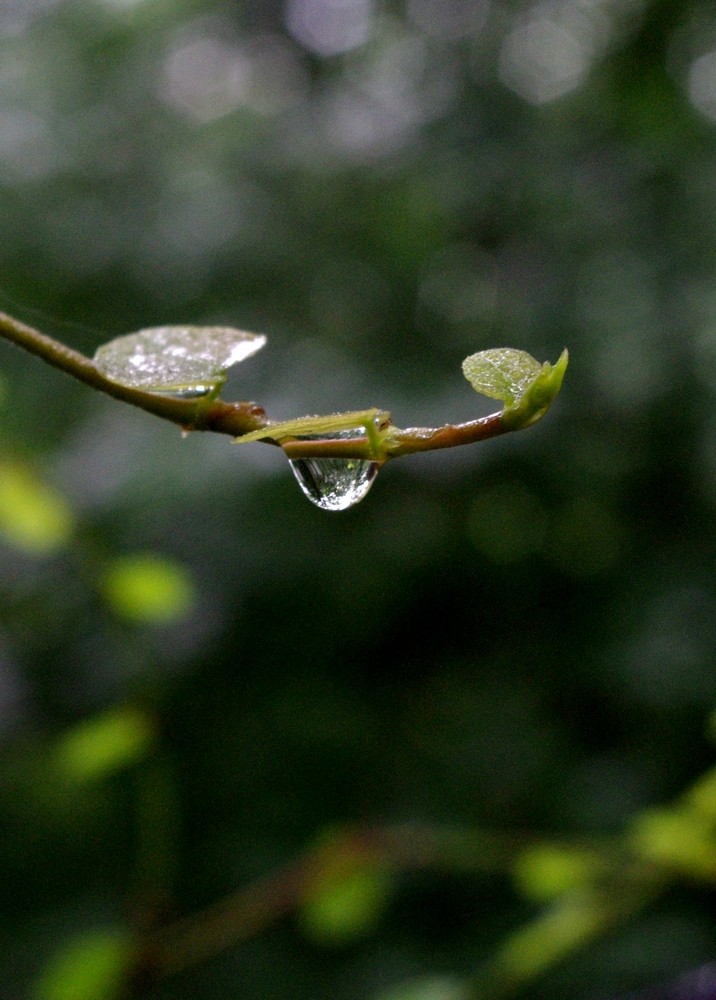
(329, 27)
(33, 517)
(548, 53)
(449, 19)
(702, 84)
(391, 91)
(148, 588)
(542, 60)
(208, 77)
(507, 523)
(16, 15)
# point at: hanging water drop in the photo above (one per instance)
(334, 483)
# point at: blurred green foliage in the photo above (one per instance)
(511, 643)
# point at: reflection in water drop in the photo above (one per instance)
(334, 483)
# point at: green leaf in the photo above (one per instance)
(183, 361)
(526, 387)
(501, 373)
(105, 744)
(148, 588)
(90, 967)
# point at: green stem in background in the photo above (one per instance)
(572, 916)
(377, 438)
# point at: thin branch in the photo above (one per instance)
(195, 939)
(243, 418)
(226, 418)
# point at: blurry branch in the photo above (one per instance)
(376, 439)
(579, 903)
(581, 890)
(253, 909)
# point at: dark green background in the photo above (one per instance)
(519, 635)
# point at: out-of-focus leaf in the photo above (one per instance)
(679, 839)
(184, 361)
(89, 967)
(568, 925)
(548, 870)
(347, 898)
(33, 517)
(148, 588)
(702, 796)
(105, 744)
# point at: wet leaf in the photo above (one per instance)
(184, 361)
(501, 373)
(526, 387)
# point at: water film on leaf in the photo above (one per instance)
(501, 373)
(182, 361)
(526, 387)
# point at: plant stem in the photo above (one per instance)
(237, 419)
(226, 418)
(248, 912)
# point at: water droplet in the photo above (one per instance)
(334, 483)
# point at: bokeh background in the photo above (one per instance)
(202, 675)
